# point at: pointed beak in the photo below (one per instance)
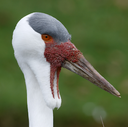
(83, 68)
(68, 56)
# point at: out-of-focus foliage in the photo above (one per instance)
(99, 28)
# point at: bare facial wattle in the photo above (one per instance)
(56, 54)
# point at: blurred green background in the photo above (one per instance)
(99, 28)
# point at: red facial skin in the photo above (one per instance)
(56, 54)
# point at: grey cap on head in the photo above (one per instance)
(46, 24)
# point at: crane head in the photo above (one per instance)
(42, 45)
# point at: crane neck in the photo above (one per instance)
(40, 115)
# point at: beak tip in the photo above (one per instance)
(117, 93)
(118, 96)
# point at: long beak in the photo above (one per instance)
(83, 68)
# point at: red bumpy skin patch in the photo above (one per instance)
(56, 54)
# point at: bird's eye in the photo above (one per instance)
(46, 37)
